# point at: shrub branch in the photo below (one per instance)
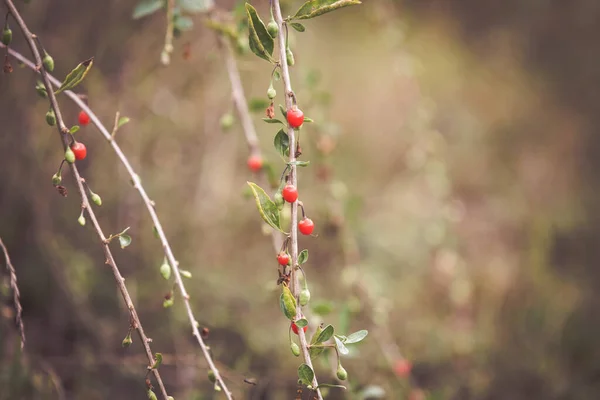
(64, 135)
(151, 211)
(16, 294)
(289, 97)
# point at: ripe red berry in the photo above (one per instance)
(402, 368)
(79, 150)
(283, 258)
(306, 226)
(295, 117)
(290, 193)
(255, 163)
(84, 119)
(295, 328)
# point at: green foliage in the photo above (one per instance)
(77, 75)
(266, 207)
(261, 42)
(287, 303)
(147, 7)
(314, 8)
(282, 143)
(306, 374)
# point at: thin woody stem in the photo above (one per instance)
(16, 294)
(63, 132)
(289, 102)
(149, 206)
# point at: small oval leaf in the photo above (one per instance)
(282, 143)
(261, 42)
(124, 240)
(356, 336)
(287, 303)
(303, 257)
(325, 335)
(158, 361)
(298, 26)
(76, 76)
(122, 121)
(314, 8)
(340, 346)
(266, 207)
(272, 121)
(306, 374)
(74, 129)
(147, 7)
(301, 323)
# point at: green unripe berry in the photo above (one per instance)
(341, 373)
(69, 156)
(271, 93)
(81, 220)
(242, 45)
(289, 57)
(48, 62)
(96, 199)
(211, 376)
(56, 179)
(227, 121)
(41, 90)
(51, 117)
(272, 28)
(127, 341)
(6, 36)
(151, 395)
(165, 270)
(295, 349)
(304, 296)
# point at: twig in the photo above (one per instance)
(149, 206)
(165, 57)
(289, 94)
(63, 132)
(241, 105)
(16, 294)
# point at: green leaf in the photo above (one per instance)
(158, 361)
(306, 374)
(299, 163)
(76, 76)
(356, 336)
(282, 109)
(258, 104)
(122, 121)
(306, 119)
(266, 207)
(195, 6)
(272, 121)
(325, 335)
(340, 346)
(297, 26)
(124, 240)
(261, 43)
(322, 385)
(301, 323)
(314, 8)
(74, 129)
(282, 143)
(147, 7)
(303, 257)
(287, 303)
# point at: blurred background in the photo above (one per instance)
(453, 183)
